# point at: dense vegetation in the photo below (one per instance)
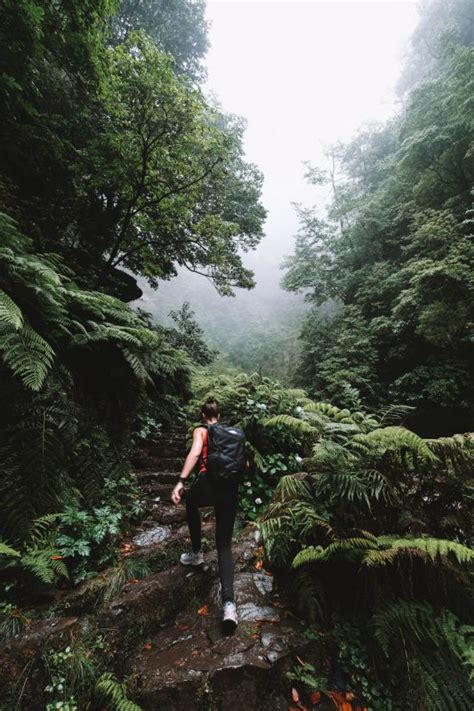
(112, 162)
(370, 527)
(114, 168)
(394, 254)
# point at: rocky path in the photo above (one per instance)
(163, 632)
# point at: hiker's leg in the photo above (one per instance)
(193, 519)
(226, 511)
(199, 495)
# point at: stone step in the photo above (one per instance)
(145, 476)
(193, 659)
(154, 489)
(158, 463)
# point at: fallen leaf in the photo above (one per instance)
(346, 706)
(57, 557)
(315, 697)
(133, 581)
(204, 610)
(337, 696)
(259, 564)
(147, 645)
(194, 652)
(294, 695)
(300, 661)
(255, 635)
(350, 696)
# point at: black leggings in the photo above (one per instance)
(225, 499)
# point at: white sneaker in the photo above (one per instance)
(229, 620)
(192, 558)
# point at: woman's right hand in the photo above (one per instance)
(177, 493)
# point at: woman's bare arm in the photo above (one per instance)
(189, 463)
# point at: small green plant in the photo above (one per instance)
(87, 539)
(12, 620)
(58, 689)
(357, 668)
(112, 691)
(305, 673)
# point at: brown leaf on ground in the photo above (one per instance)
(294, 695)
(147, 645)
(315, 697)
(204, 610)
(133, 581)
(300, 661)
(259, 564)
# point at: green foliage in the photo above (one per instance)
(114, 692)
(392, 261)
(378, 527)
(136, 169)
(57, 689)
(189, 337)
(260, 406)
(177, 27)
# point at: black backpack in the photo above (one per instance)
(225, 453)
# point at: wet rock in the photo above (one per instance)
(145, 605)
(153, 476)
(152, 536)
(194, 660)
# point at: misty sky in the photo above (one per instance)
(303, 74)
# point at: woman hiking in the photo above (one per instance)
(218, 491)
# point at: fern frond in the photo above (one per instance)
(8, 551)
(136, 365)
(28, 355)
(114, 692)
(291, 486)
(351, 548)
(294, 424)
(434, 548)
(10, 313)
(394, 439)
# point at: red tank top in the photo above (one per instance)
(203, 458)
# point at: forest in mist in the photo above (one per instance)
(148, 262)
